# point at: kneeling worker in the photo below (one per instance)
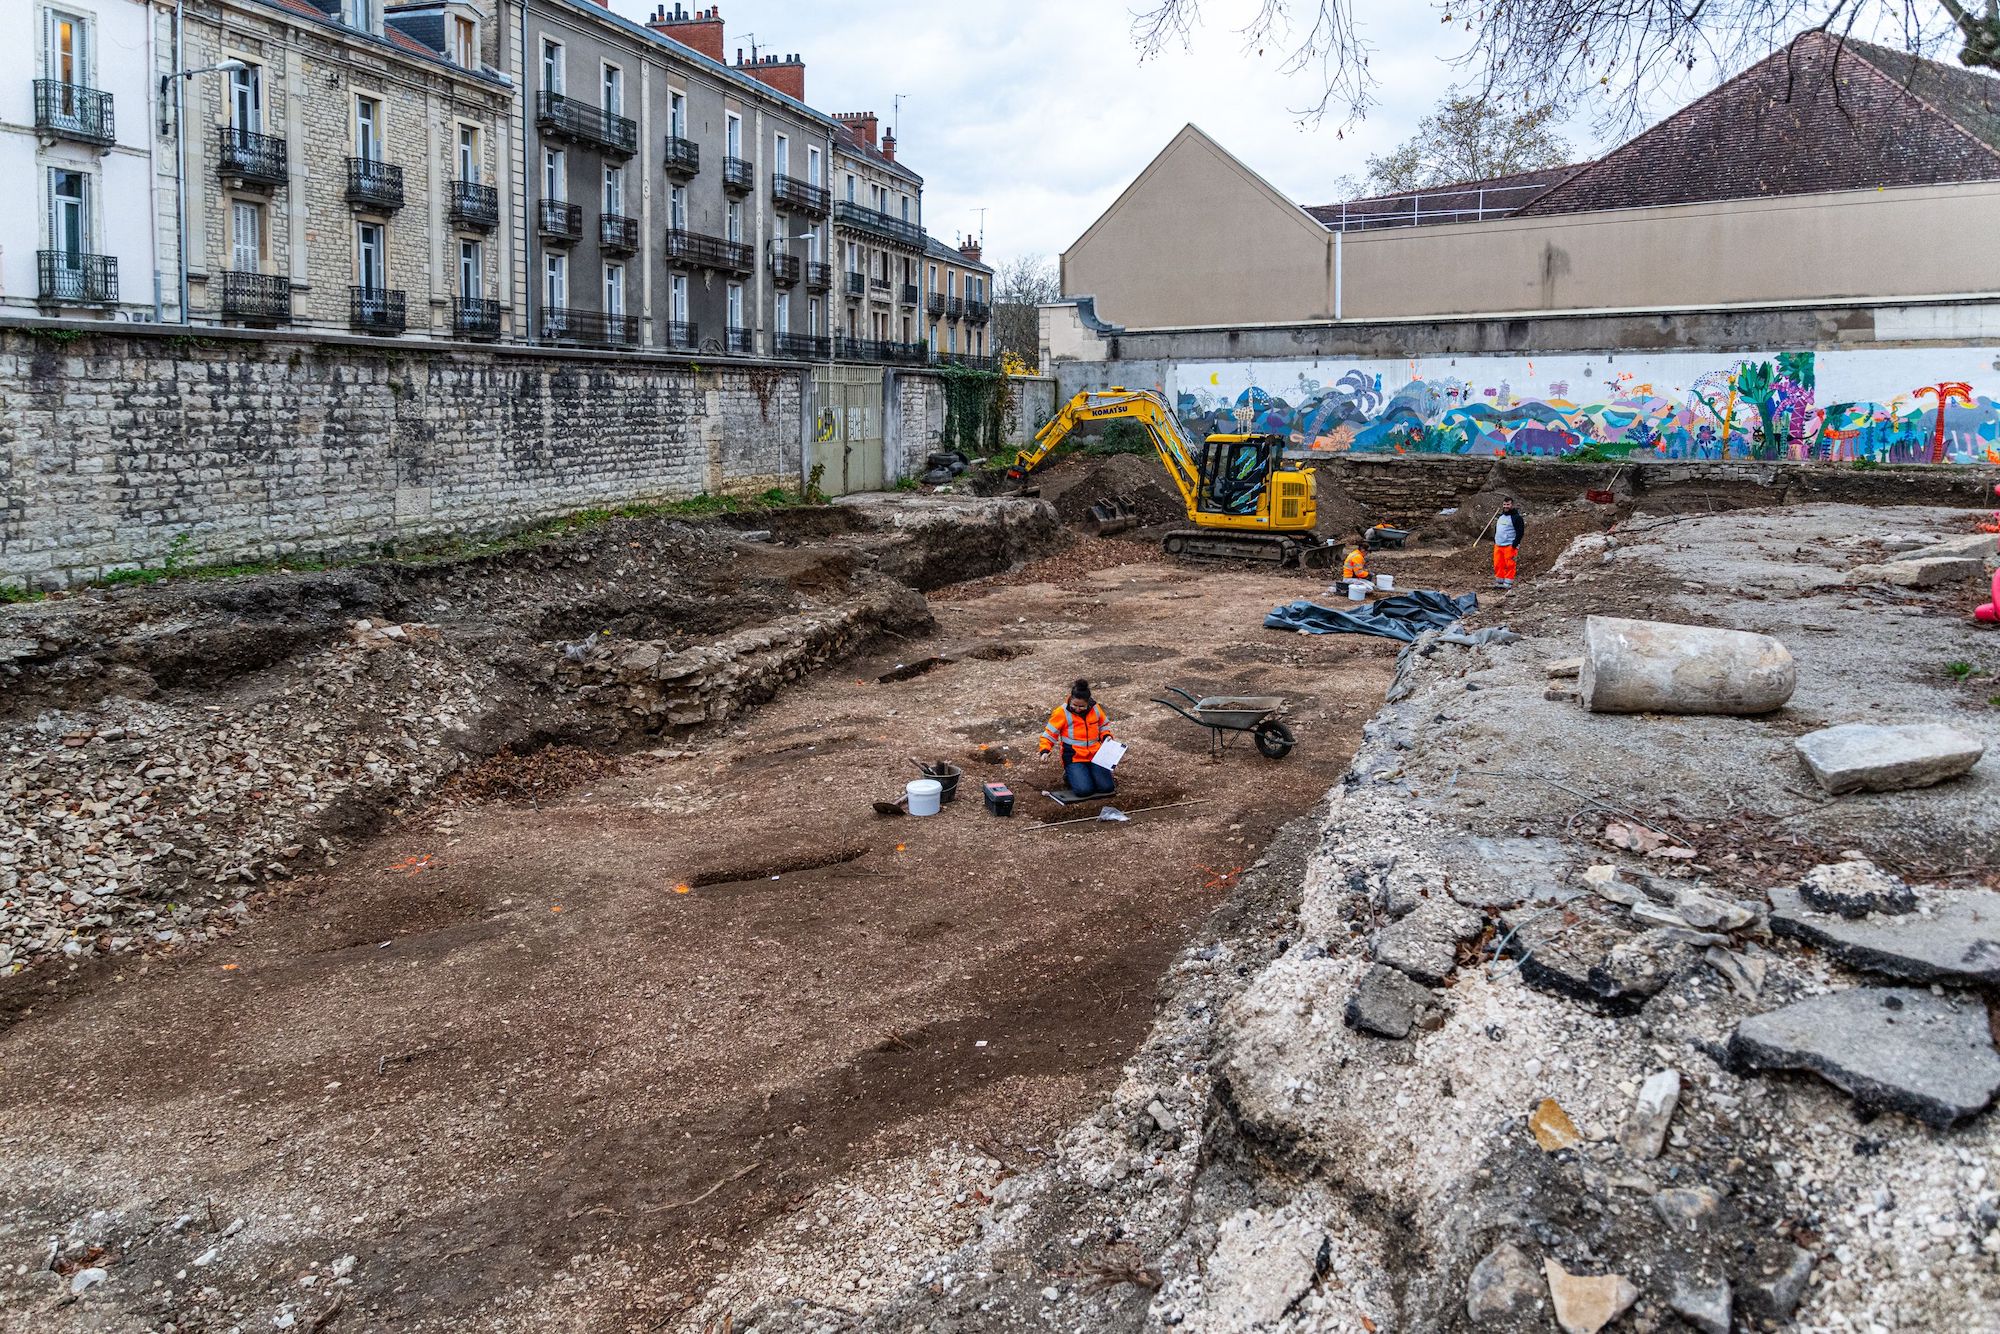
(1080, 727)
(1356, 564)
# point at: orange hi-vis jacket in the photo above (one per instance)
(1355, 566)
(1082, 735)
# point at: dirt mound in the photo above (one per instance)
(1341, 516)
(1131, 477)
(536, 775)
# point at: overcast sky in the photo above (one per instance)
(1040, 111)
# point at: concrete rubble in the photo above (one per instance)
(1951, 937)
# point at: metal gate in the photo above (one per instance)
(847, 428)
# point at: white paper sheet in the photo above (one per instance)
(1109, 753)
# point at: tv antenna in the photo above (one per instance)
(982, 224)
(896, 113)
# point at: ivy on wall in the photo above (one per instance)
(976, 404)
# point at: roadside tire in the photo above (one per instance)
(1274, 740)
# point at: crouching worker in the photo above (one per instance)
(1356, 564)
(1080, 727)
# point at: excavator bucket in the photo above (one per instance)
(1114, 514)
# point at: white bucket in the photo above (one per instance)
(926, 796)
(1386, 582)
(1357, 590)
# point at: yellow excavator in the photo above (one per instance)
(1242, 503)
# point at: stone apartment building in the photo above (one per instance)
(340, 163)
(76, 139)
(958, 302)
(671, 199)
(880, 243)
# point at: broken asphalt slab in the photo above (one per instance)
(1951, 938)
(1892, 1049)
(1875, 757)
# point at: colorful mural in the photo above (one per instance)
(1899, 405)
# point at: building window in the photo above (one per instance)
(66, 48)
(677, 115)
(951, 338)
(464, 42)
(735, 232)
(69, 213)
(950, 282)
(677, 298)
(906, 208)
(677, 208)
(555, 174)
(781, 156)
(367, 129)
(783, 316)
(371, 265)
(934, 338)
(246, 99)
(614, 190)
(246, 236)
(813, 244)
(552, 67)
(471, 271)
(555, 282)
(812, 165)
(360, 14)
(735, 305)
(732, 135)
(614, 90)
(850, 187)
(812, 316)
(614, 289)
(468, 153)
(853, 257)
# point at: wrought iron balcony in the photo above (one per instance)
(72, 111)
(857, 284)
(953, 307)
(249, 158)
(583, 123)
(819, 275)
(934, 303)
(784, 265)
(879, 287)
(256, 298)
(78, 280)
(965, 359)
(475, 317)
(683, 157)
(682, 335)
(709, 252)
(559, 220)
(375, 310)
(617, 233)
(805, 345)
(588, 328)
(978, 311)
(743, 341)
(739, 177)
(474, 205)
(374, 184)
(789, 192)
(892, 229)
(908, 295)
(875, 349)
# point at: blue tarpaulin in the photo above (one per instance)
(1400, 617)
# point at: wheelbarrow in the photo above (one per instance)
(1256, 714)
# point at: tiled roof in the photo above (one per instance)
(1460, 201)
(390, 37)
(1819, 115)
(847, 141)
(937, 249)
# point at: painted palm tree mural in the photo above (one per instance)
(1771, 407)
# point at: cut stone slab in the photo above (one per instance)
(1387, 1003)
(1956, 939)
(1856, 888)
(1887, 757)
(1585, 1304)
(1918, 571)
(1892, 1049)
(1646, 1128)
(1657, 667)
(1976, 546)
(1501, 872)
(1503, 1285)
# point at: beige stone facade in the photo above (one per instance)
(958, 303)
(879, 240)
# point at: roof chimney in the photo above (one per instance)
(969, 248)
(786, 73)
(862, 123)
(889, 144)
(700, 31)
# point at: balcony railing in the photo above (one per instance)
(72, 111)
(474, 205)
(256, 298)
(934, 303)
(908, 295)
(710, 252)
(892, 229)
(789, 192)
(588, 328)
(563, 115)
(683, 157)
(475, 317)
(684, 335)
(879, 287)
(374, 184)
(978, 311)
(965, 359)
(953, 307)
(738, 176)
(375, 310)
(784, 266)
(252, 158)
(618, 233)
(875, 349)
(819, 275)
(79, 280)
(559, 220)
(857, 283)
(805, 345)
(743, 341)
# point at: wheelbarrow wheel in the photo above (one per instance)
(1274, 739)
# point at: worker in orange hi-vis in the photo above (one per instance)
(1079, 726)
(1508, 530)
(1356, 564)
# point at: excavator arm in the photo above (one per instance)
(1143, 406)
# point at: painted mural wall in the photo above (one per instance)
(1893, 405)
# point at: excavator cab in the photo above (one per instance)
(1234, 470)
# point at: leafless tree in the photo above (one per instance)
(1019, 285)
(1470, 138)
(1620, 51)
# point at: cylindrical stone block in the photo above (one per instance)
(1655, 667)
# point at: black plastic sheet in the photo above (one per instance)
(1401, 617)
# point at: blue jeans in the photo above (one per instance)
(1087, 779)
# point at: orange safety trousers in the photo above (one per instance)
(1503, 562)
(1082, 735)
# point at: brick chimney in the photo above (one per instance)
(889, 144)
(969, 248)
(700, 31)
(863, 124)
(785, 73)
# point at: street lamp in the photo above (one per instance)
(172, 87)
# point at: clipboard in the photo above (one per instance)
(1109, 753)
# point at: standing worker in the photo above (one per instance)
(1080, 727)
(1508, 530)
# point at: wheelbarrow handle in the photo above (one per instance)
(1178, 691)
(1181, 711)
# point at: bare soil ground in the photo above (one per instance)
(549, 1052)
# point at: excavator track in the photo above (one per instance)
(1210, 545)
